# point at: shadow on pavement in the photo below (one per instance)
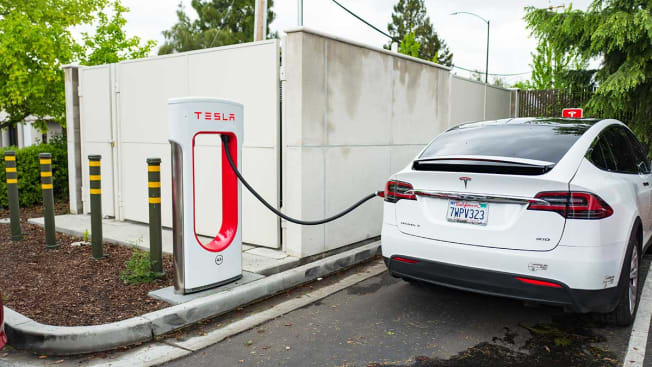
(567, 341)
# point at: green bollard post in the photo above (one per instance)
(45, 160)
(154, 188)
(94, 176)
(12, 193)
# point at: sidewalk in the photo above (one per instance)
(259, 260)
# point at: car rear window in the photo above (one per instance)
(542, 142)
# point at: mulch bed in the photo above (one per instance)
(65, 286)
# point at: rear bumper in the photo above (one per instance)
(588, 275)
(504, 284)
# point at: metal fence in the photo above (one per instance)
(550, 102)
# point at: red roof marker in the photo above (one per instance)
(575, 113)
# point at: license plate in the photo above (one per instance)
(471, 212)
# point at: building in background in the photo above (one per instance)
(24, 134)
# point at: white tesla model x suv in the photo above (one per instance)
(556, 211)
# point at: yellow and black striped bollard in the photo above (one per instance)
(45, 160)
(95, 177)
(12, 195)
(154, 188)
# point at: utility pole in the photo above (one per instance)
(260, 20)
(300, 13)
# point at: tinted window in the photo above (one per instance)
(619, 144)
(640, 153)
(600, 155)
(543, 142)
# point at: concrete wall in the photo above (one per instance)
(354, 116)
(468, 104)
(123, 117)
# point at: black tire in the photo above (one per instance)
(630, 287)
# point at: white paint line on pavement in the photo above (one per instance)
(153, 354)
(638, 338)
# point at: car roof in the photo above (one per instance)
(583, 123)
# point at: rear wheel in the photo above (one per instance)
(624, 313)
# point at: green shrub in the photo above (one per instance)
(29, 176)
(139, 269)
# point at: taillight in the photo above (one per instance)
(572, 205)
(397, 190)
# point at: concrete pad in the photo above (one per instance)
(167, 294)
(254, 259)
(174, 317)
(265, 265)
(5, 221)
(267, 252)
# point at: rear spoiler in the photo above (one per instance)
(482, 165)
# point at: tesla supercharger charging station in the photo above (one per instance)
(198, 265)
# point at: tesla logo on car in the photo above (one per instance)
(466, 181)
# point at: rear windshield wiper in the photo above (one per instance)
(479, 165)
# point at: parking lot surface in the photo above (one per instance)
(386, 321)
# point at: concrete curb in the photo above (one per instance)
(25, 333)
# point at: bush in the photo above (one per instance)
(139, 269)
(29, 176)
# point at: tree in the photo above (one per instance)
(409, 46)
(499, 82)
(619, 32)
(556, 69)
(410, 16)
(477, 76)
(35, 42)
(110, 43)
(220, 22)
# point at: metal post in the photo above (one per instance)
(94, 171)
(300, 12)
(486, 68)
(12, 193)
(260, 20)
(154, 188)
(45, 160)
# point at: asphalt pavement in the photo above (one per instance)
(387, 321)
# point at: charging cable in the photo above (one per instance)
(225, 141)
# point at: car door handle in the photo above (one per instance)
(646, 184)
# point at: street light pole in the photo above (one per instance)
(300, 12)
(486, 69)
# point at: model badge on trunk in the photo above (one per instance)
(536, 267)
